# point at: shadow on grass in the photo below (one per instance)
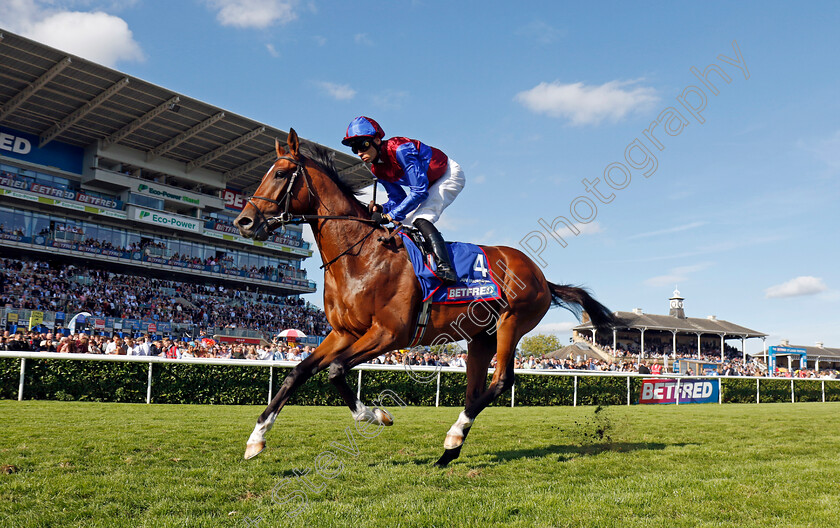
(564, 453)
(570, 452)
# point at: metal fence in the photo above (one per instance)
(423, 374)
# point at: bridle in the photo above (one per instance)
(286, 218)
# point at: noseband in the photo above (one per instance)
(285, 217)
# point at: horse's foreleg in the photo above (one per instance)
(302, 372)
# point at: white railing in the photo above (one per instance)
(427, 373)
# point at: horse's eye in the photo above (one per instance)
(279, 174)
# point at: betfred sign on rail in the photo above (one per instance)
(688, 391)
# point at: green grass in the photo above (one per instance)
(108, 464)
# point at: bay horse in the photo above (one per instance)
(372, 297)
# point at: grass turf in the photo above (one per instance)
(107, 464)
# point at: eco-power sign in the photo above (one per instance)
(165, 194)
(181, 223)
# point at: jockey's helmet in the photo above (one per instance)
(362, 128)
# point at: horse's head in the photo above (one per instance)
(282, 192)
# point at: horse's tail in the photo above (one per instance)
(577, 300)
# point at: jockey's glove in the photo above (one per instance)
(379, 218)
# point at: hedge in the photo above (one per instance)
(105, 381)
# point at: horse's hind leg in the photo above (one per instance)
(371, 344)
(481, 351)
(360, 411)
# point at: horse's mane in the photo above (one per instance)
(350, 183)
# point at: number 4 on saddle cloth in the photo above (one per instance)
(475, 281)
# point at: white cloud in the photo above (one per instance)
(588, 105)
(95, 35)
(363, 39)
(340, 92)
(541, 32)
(589, 228)
(826, 150)
(676, 229)
(805, 285)
(272, 50)
(677, 275)
(258, 14)
(390, 99)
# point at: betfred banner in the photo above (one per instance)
(234, 200)
(23, 146)
(703, 390)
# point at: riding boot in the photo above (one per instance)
(445, 270)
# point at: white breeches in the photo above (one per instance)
(441, 194)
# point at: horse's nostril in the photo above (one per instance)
(243, 222)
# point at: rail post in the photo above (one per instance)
(22, 376)
(628, 389)
(359, 387)
(437, 391)
(512, 394)
(678, 391)
(149, 385)
(574, 399)
(271, 383)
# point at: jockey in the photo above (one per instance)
(433, 181)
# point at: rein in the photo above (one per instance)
(286, 218)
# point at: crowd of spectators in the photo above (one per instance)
(281, 350)
(655, 349)
(147, 345)
(36, 285)
(227, 226)
(159, 249)
(15, 231)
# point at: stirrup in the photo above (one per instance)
(446, 274)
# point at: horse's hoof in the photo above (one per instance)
(384, 417)
(252, 450)
(448, 456)
(453, 441)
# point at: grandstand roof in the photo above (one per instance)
(59, 96)
(639, 320)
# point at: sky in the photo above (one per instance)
(689, 145)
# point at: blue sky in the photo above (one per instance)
(741, 212)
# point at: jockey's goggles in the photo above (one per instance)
(361, 146)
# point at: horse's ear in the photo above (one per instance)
(278, 148)
(293, 142)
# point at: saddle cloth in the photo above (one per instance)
(475, 280)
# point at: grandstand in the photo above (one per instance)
(670, 336)
(121, 178)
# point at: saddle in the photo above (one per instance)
(475, 279)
